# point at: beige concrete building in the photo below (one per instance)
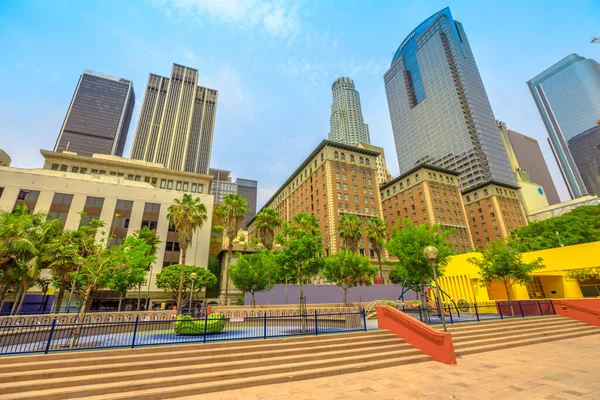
(4, 159)
(103, 186)
(383, 175)
(176, 123)
(334, 180)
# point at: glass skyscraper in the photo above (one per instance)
(98, 117)
(567, 96)
(439, 109)
(347, 125)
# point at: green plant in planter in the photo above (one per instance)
(186, 325)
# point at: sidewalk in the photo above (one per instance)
(567, 369)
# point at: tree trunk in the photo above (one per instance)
(253, 302)
(286, 290)
(139, 297)
(80, 316)
(512, 311)
(17, 298)
(180, 291)
(229, 253)
(120, 301)
(3, 292)
(345, 294)
(23, 294)
(380, 268)
(59, 298)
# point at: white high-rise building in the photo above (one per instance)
(347, 125)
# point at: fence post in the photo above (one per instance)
(316, 324)
(499, 310)
(135, 328)
(476, 312)
(50, 336)
(265, 326)
(205, 325)
(420, 315)
(449, 312)
(364, 315)
(521, 308)
(540, 307)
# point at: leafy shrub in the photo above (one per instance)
(186, 325)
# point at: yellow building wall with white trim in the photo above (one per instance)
(461, 279)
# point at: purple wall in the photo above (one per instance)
(319, 294)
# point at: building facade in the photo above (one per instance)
(248, 189)
(383, 175)
(65, 192)
(222, 185)
(347, 125)
(438, 106)
(98, 118)
(334, 180)
(567, 96)
(585, 149)
(427, 194)
(529, 157)
(176, 122)
(5, 159)
(493, 210)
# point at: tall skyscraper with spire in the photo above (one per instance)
(176, 122)
(439, 109)
(347, 125)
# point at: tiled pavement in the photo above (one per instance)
(566, 369)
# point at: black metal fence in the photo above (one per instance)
(63, 335)
(480, 312)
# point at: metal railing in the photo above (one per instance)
(63, 335)
(480, 312)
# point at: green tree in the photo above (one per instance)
(232, 211)
(377, 233)
(169, 277)
(253, 273)
(503, 262)
(151, 238)
(186, 215)
(347, 270)
(267, 221)
(302, 248)
(214, 266)
(407, 244)
(350, 228)
(581, 225)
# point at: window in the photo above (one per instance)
(337, 175)
(343, 157)
(54, 167)
(163, 183)
(351, 157)
(178, 185)
(339, 196)
(63, 168)
(367, 161)
(170, 184)
(338, 185)
(361, 160)
(200, 188)
(75, 169)
(336, 155)
(345, 186)
(129, 177)
(137, 177)
(344, 177)
(355, 188)
(346, 196)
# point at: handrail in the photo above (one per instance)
(576, 311)
(430, 341)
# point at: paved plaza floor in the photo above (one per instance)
(567, 369)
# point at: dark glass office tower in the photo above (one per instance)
(585, 149)
(248, 189)
(440, 112)
(99, 116)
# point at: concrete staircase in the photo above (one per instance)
(478, 337)
(165, 372)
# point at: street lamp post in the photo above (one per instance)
(193, 277)
(431, 254)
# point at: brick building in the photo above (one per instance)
(427, 194)
(334, 180)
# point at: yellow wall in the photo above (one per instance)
(461, 279)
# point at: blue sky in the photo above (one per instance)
(273, 64)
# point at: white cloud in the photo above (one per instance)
(263, 195)
(275, 18)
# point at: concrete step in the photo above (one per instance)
(167, 348)
(514, 322)
(503, 331)
(514, 336)
(238, 349)
(214, 363)
(525, 342)
(159, 386)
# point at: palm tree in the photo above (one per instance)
(186, 215)
(266, 222)
(232, 210)
(350, 227)
(60, 255)
(150, 237)
(377, 233)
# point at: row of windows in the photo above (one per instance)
(342, 156)
(164, 183)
